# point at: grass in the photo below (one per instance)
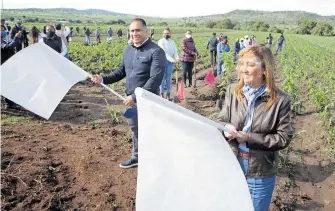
(7, 120)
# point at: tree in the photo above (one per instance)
(210, 24)
(24, 17)
(225, 24)
(36, 19)
(11, 19)
(121, 22)
(259, 26)
(274, 29)
(163, 24)
(322, 28)
(306, 26)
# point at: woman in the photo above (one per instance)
(188, 56)
(171, 53)
(35, 35)
(259, 114)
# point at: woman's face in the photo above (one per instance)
(251, 70)
(188, 34)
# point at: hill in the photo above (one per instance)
(97, 15)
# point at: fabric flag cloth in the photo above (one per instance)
(180, 93)
(37, 78)
(210, 79)
(185, 164)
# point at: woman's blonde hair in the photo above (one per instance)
(268, 63)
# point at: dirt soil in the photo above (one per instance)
(71, 161)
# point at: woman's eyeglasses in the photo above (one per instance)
(248, 64)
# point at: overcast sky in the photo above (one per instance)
(179, 8)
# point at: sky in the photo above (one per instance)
(178, 8)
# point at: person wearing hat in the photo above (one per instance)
(211, 46)
(221, 48)
(237, 49)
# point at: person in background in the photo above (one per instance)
(63, 34)
(152, 32)
(53, 41)
(7, 51)
(253, 40)
(35, 35)
(280, 41)
(188, 56)
(171, 53)
(242, 43)
(128, 37)
(222, 48)
(258, 113)
(147, 72)
(211, 46)
(246, 41)
(237, 49)
(110, 34)
(69, 37)
(77, 30)
(7, 29)
(25, 39)
(269, 40)
(88, 36)
(97, 35)
(18, 28)
(119, 33)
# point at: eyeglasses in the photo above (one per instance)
(242, 63)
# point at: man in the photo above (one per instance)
(110, 34)
(18, 28)
(246, 41)
(211, 46)
(281, 40)
(53, 41)
(143, 65)
(221, 49)
(97, 35)
(7, 51)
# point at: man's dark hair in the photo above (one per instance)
(214, 34)
(2, 20)
(59, 26)
(140, 20)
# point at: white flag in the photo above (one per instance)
(185, 164)
(37, 78)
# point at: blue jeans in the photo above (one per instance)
(261, 189)
(133, 125)
(220, 63)
(88, 39)
(167, 79)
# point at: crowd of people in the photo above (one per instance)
(257, 111)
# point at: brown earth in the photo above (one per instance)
(71, 161)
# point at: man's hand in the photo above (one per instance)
(244, 138)
(129, 101)
(97, 79)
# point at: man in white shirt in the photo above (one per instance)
(171, 53)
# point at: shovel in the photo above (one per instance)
(175, 98)
(130, 112)
(195, 71)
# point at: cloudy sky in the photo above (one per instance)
(179, 8)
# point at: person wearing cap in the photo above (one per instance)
(211, 46)
(222, 48)
(237, 49)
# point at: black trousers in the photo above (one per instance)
(213, 53)
(187, 68)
